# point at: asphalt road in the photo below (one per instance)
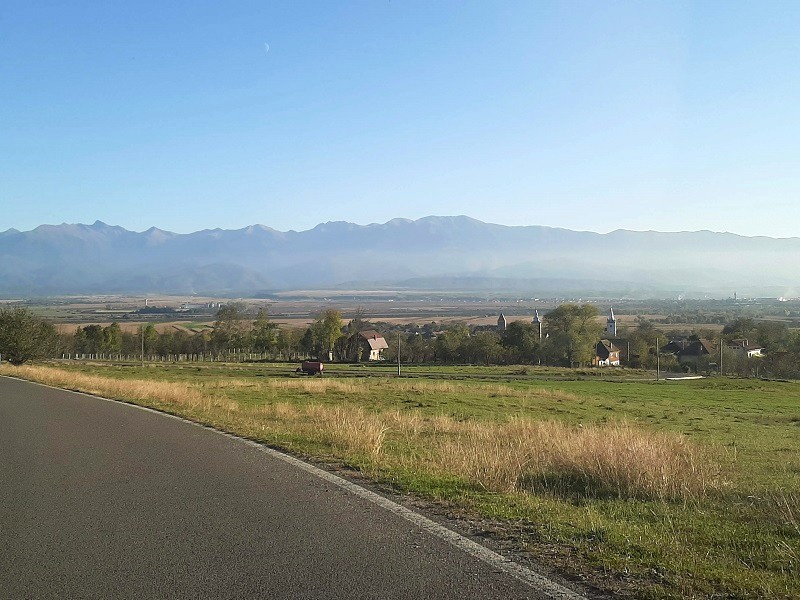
(103, 500)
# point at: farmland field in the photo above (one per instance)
(645, 489)
(298, 309)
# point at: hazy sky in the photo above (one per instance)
(586, 115)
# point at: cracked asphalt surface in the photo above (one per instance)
(102, 500)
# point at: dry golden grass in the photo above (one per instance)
(318, 385)
(615, 459)
(348, 427)
(228, 384)
(129, 389)
(282, 411)
(321, 385)
(519, 455)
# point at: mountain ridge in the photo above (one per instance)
(100, 258)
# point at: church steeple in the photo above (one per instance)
(537, 322)
(611, 324)
(501, 322)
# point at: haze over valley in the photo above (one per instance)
(433, 253)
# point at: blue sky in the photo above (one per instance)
(584, 115)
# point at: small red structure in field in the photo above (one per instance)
(311, 367)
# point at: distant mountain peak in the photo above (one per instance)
(451, 219)
(257, 229)
(395, 222)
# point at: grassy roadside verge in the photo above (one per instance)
(634, 487)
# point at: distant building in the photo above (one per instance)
(694, 350)
(372, 345)
(744, 348)
(611, 324)
(673, 348)
(606, 354)
(501, 322)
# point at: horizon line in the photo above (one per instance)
(98, 222)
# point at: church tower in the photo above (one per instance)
(611, 325)
(501, 322)
(537, 323)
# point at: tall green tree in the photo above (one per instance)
(348, 346)
(89, 339)
(573, 331)
(452, 344)
(307, 343)
(358, 322)
(151, 338)
(325, 331)
(264, 334)
(79, 340)
(743, 327)
(24, 336)
(230, 329)
(484, 347)
(642, 340)
(773, 336)
(521, 341)
(288, 343)
(416, 348)
(112, 339)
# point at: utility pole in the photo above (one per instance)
(658, 361)
(720, 356)
(143, 344)
(398, 353)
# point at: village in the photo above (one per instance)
(566, 335)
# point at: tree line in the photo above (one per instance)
(567, 339)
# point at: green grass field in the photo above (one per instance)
(740, 538)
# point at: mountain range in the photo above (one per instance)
(432, 253)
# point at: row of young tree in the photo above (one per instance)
(234, 333)
(568, 339)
